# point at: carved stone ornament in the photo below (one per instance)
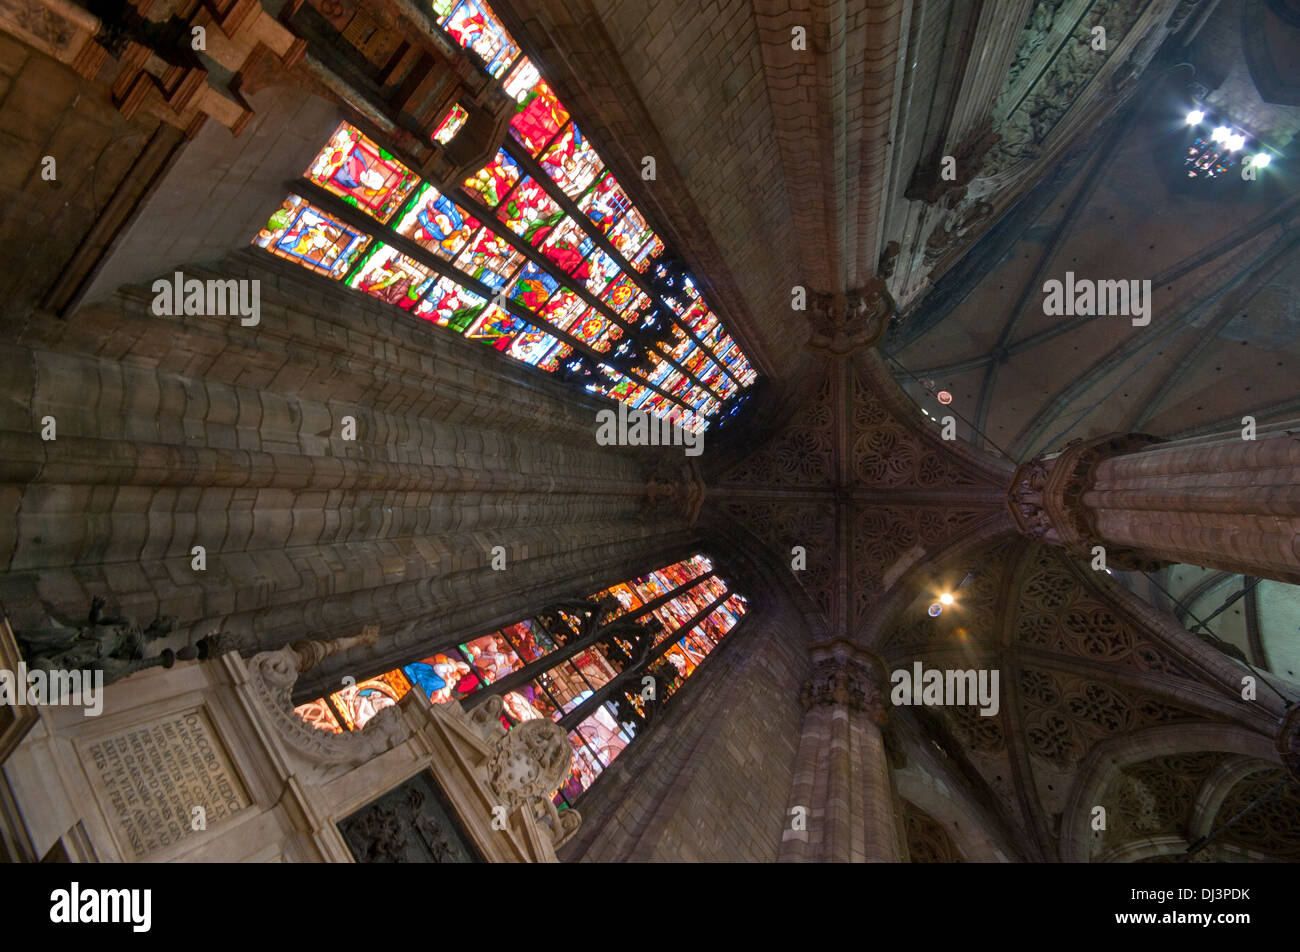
(271, 677)
(1046, 498)
(846, 677)
(843, 323)
(530, 762)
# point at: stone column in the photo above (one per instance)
(1220, 501)
(841, 801)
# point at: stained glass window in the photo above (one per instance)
(541, 254)
(568, 669)
(475, 27)
(450, 125)
(299, 232)
(362, 174)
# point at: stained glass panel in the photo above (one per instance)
(496, 327)
(362, 174)
(437, 223)
(450, 125)
(306, 235)
(447, 304)
(443, 676)
(492, 657)
(571, 162)
(605, 203)
(474, 26)
(318, 714)
(529, 212)
(568, 247)
(392, 277)
(491, 183)
(538, 117)
(490, 259)
(360, 702)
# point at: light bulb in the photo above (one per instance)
(1220, 133)
(1261, 159)
(1194, 117)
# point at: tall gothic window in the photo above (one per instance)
(541, 254)
(600, 667)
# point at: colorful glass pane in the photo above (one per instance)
(586, 768)
(360, 702)
(563, 308)
(648, 255)
(529, 212)
(612, 335)
(620, 294)
(444, 676)
(526, 704)
(630, 234)
(491, 183)
(531, 346)
(492, 657)
(529, 639)
(490, 259)
(392, 277)
(474, 26)
(447, 304)
(604, 735)
(304, 234)
(533, 287)
(538, 117)
(568, 247)
(553, 360)
(605, 203)
(450, 125)
(318, 714)
(595, 667)
(603, 270)
(496, 327)
(362, 174)
(437, 223)
(571, 162)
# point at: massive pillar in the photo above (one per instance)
(841, 805)
(1222, 501)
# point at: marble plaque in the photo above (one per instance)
(150, 777)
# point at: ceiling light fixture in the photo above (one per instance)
(1194, 117)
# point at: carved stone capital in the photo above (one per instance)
(846, 675)
(1046, 498)
(857, 319)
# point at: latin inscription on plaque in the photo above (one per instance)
(152, 776)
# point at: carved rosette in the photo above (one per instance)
(1046, 498)
(530, 762)
(845, 675)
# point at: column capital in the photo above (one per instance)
(856, 319)
(1046, 497)
(846, 675)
